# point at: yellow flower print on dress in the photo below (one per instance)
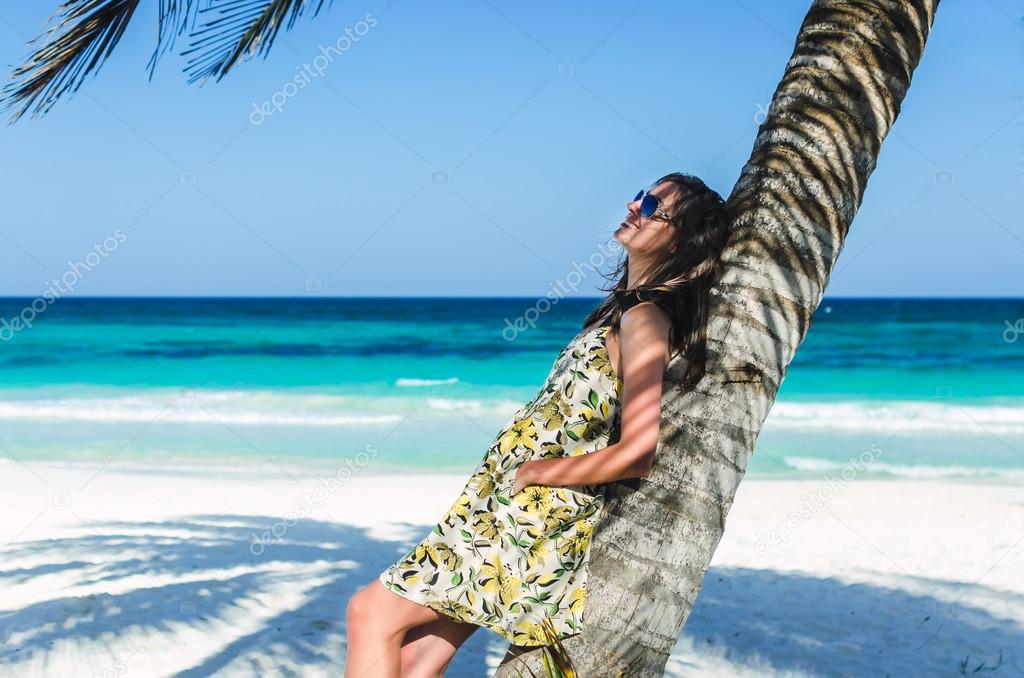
(422, 552)
(452, 608)
(487, 527)
(581, 539)
(577, 599)
(557, 517)
(554, 412)
(445, 556)
(483, 480)
(536, 499)
(529, 633)
(520, 434)
(551, 450)
(495, 578)
(459, 512)
(594, 428)
(600, 361)
(575, 544)
(541, 580)
(537, 553)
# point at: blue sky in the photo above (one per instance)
(484, 149)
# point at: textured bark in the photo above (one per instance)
(793, 205)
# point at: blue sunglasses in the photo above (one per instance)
(650, 206)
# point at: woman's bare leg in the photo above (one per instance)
(378, 620)
(428, 649)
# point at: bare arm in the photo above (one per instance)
(643, 345)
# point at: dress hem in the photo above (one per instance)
(495, 628)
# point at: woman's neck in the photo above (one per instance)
(636, 272)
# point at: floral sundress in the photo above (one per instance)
(506, 562)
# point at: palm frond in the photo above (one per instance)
(175, 17)
(81, 36)
(233, 30)
(558, 663)
(556, 658)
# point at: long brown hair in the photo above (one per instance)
(680, 281)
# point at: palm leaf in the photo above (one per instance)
(557, 662)
(233, 30)
(81, 37)
(556, 658)
(175, 17)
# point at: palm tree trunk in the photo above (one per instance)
(794, 202)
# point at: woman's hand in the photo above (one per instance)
(522, 477)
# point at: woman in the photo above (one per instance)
(514, 548)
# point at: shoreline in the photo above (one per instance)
(347, 469)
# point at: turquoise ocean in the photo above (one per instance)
(913, 388)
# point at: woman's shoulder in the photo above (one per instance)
(647, 324)
(646, 320)
(644, 306)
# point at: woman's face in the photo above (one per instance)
(645, 236)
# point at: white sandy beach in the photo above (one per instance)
(143, 574)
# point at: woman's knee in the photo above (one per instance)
(361, 606)
(376, 611)
(373, 606)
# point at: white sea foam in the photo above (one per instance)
(303, 408)
(819, 465)
(892, 416)
(475, 406)
(209, 464)
(146, 410)
(243, 408)
(410, 381)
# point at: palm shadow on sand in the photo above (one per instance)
(200, 571)
(212, 573)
